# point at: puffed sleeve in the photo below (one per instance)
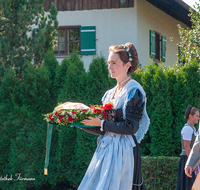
(130, 125)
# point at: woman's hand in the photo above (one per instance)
(91, 121)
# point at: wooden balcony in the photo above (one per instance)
(72, 5)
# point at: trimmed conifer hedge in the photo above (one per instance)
(160, 173)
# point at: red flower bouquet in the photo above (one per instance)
(69, 112)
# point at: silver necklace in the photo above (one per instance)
(118, 90)
(123, 81)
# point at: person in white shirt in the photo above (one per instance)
(188, 135)
(194, 156)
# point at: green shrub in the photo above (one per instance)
(60, 75)
(10, 102)
(161, 115)
(160, 173)
(84, 149)
(97, 81)
(185, 91)
(74, 87)
(51, 64)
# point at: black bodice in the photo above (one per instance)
(115, 122)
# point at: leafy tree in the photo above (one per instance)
(26, 33)
(190, 38)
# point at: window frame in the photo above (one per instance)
(66, 40)
(157, 46)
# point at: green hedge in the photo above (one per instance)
(160, 173)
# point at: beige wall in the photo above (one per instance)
(113, 27)
(151, 18)
(118, 26)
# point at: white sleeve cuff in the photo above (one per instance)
(102, 121)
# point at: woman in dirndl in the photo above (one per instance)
(188, 135)
(116, 163)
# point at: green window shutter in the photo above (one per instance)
(88, 40)
(152, 44)
(163, 48)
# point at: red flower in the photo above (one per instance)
(52, 119)
(74, 112)
(60, 117)
(104, 115)
(50, 116)
(70, 119)
(64, 121)
(56, 114)
(91, 107)
(75, 119)
(108, 107)
(84, 110)
(98, 111)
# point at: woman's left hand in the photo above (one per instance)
(91, 121)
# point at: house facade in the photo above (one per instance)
(91, 26)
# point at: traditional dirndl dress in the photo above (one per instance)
(112, 165)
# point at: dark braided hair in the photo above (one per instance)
(124, 55)
(190, 110)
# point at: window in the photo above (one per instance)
(81, 39)
(157, 46)
(68, 40)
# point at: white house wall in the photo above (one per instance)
(150, 17)
(113, 27)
